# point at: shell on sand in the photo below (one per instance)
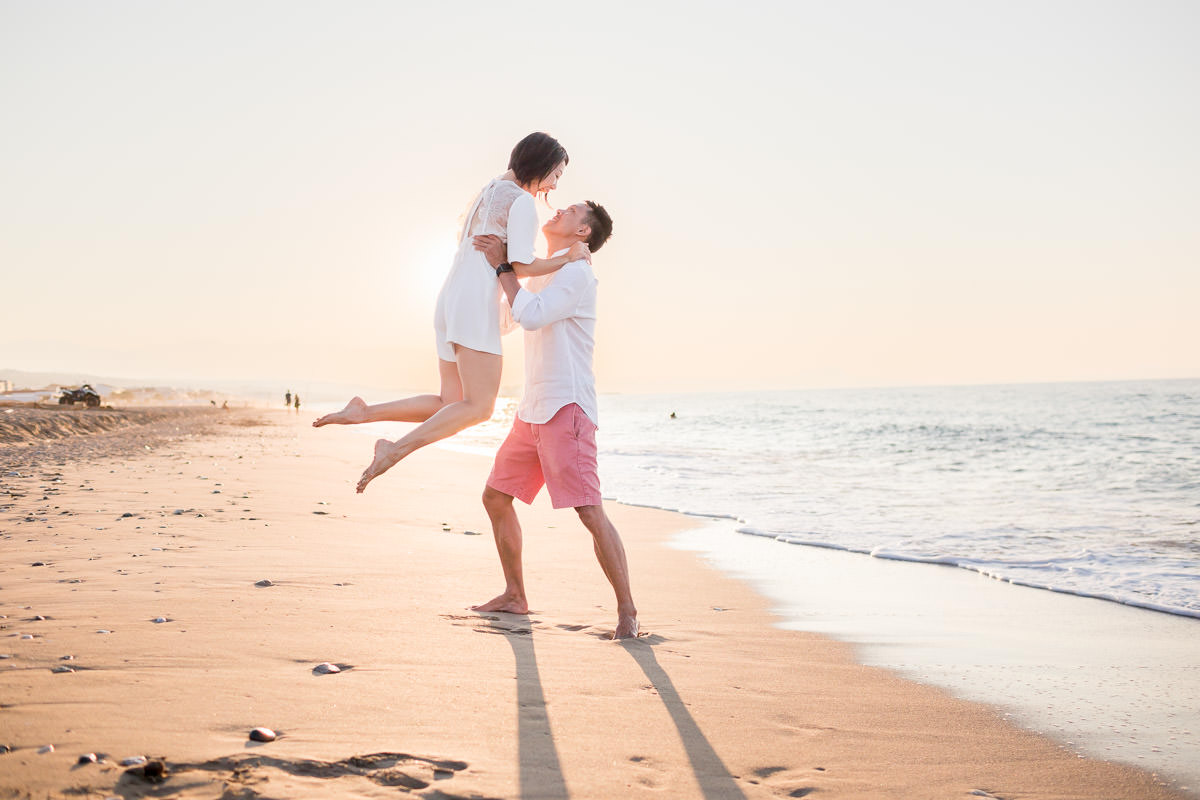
(326, 668)
(264, 582)
(88, 758)
(133, 761)
(160, 619)
(262, 735)
(49, 748)
(62, 668)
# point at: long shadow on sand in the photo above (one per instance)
(541, 772)
(715, 781)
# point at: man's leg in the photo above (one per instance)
(611, 554)
(506, 528)
(410, 409)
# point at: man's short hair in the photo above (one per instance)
(600, 223)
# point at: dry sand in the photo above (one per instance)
(177, 520)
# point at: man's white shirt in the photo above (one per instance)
(558, 313)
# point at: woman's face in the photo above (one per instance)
(550, 182)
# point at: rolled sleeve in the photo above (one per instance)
(557, 301)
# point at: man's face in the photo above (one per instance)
(569, 222)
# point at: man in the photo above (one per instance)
(553, 438)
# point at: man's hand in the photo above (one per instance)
(492, 247)
(579, 252)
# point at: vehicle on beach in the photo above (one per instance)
(84, 394)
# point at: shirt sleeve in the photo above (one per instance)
(507, 323)
(557, 301)
(522, 229)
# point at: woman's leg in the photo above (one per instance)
(410, 409)
(479, 374)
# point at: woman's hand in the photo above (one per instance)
(492, 247)
(579, 251)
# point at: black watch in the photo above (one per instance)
(505, 267)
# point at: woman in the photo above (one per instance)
(467, 321)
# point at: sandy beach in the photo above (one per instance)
(134, 624)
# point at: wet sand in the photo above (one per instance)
(112, 531)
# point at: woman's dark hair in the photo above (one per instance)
(535, 157)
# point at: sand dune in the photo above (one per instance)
(36, 424)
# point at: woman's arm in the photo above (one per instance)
(544, 266)
(492, 247)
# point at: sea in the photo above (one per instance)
(1084, 488)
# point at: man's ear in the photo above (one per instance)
(584, 231)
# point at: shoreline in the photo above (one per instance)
(1110, 681)
(715, 701)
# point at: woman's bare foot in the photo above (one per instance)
(387, 455)
(354, 413)
(627, 627)
(506, 602)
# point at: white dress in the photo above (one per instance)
(468, 307)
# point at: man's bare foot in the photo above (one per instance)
(627, 627)
(509, 603)
(387, 455)
(354, 413)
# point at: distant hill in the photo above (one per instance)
(271, 391)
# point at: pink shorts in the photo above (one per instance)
(560, 454)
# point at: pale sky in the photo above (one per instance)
(805, 194)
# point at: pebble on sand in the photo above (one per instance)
(43, 750)
(133, 761)
(326, 668)
(61, 668)
(264, 582)
(160, 620)
(262, 735)
(103, 631)
(6, 748)
(88, 758)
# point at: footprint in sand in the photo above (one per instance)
(784, 781)
(392, 770)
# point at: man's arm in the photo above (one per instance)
(532, 310)
(558, 301)
(494, 251)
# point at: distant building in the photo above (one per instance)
(6, 386)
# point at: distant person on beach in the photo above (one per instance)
(296, 400)
(467, 318)
(553, 438)
(287, 399)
